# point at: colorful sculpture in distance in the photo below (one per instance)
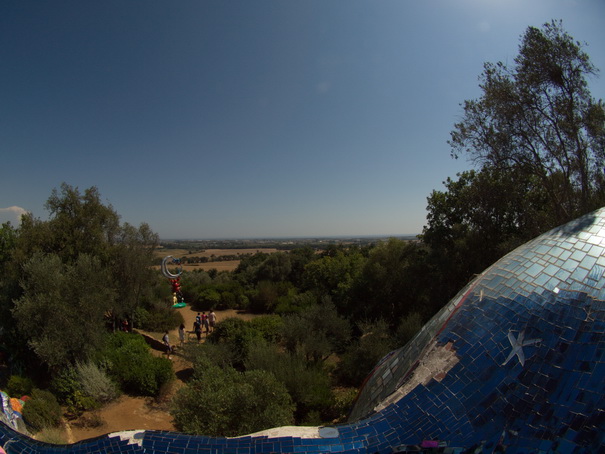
(174, 279)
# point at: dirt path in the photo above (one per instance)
(129, 413)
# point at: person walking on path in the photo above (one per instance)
(205, 323)
(197, 327)
(166, 340)
(212, 320)
(182, 334)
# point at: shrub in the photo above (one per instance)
(316, 332)
(208, 299)
(238, 336)
(95, 383)
(344, 398)
(269, 327)
(408, 327)
(65, 383)
(53, 435)
(132, 365)
(267, 295)
(79, 402)
(160, 319)
(295, 303)
(18, 386)
(140, 317)
(83, 387)
(225, 402)
(206, 354)
(363, 355)
(42, 410)
(66, 387)
(228, 301)
(308, 384)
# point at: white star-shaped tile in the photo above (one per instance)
(518, 345)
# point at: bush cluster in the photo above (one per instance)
(131, 364)
(308, 384)
(19, 386)
(42, 410)
(85, 386)
(158, 319)
(225, 402)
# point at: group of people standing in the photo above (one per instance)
(203, 322)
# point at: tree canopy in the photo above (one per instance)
(539, 118)
(68, 273)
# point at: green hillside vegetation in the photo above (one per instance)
(537, 139)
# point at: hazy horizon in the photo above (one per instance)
(246, 119)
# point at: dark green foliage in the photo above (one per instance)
(268, 295)
(276, 268)
(224, 402)
(246, 271)
(269, 326)
(407, 328)
(363, 355)
(239, 335)
(296, 303)
(299, 258)
(479, 218)
(65, 383)
(42, 410)
(204, 293)
(131, 364)
(334, 275)
(61, 312)
(77, 267)
(201, 356)
(158, 319)
(132, 274)
(317, 332)
(308, 384)
(208, 298)
(11, 345)
(18, 386)
(389, 285)
(191, 284)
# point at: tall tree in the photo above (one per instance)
(9, 289)
(334, 275)
(62, 307)
(77, 266)
(392, 283)
(81, 223)
(478, 218)
(539, 118)
(132, 275)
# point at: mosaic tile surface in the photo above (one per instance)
(515, 362)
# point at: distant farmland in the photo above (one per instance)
(219, 259)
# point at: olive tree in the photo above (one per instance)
(538, 117)
(61, 311)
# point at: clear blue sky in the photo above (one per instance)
(249, 118)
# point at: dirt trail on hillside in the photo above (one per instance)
(130, 413)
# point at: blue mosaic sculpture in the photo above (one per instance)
(515, 362)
